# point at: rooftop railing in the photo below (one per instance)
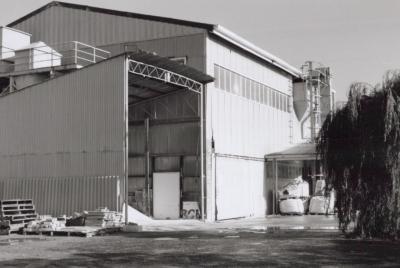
(36, 56)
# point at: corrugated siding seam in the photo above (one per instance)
(59, 196)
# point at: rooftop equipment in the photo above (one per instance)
(11, 40)
(36, 55)
(313, 98)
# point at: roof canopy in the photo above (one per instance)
(303, 151)
(173, 66)
(151, 76)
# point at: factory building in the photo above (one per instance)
(105, 106)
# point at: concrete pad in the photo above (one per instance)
(270, 223)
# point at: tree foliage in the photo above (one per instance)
(359, 146)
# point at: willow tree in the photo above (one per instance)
(359, 146)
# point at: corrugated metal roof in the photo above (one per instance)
(114, 12)
(213, 29)
(303, 151)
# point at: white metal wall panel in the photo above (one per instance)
(244, 128)
(68, 127)
(62, 24)
(240, 191)
(241, 126)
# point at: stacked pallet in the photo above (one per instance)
(17, 212)
(103, 218)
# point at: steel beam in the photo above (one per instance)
(172, 121)
(150, 71)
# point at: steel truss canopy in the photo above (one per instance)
(152, 76)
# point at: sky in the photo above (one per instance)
(358, 39)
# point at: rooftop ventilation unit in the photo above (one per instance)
(36, 55)
(11, 40)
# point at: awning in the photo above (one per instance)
(152, 76)
(170, 65)
(303, 151)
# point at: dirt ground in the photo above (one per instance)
(185, 249)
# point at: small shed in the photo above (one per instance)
(304, 153)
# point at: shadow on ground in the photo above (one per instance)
(241, 249)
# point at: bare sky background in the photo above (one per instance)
(358, 39)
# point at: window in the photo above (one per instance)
(180, 60)
(248, 89)
(257, 91)
(273, 99)
(222, 78)
(228, 80)
(236, 84)
(240, 85)
(285, 103)
(262, 94)
(216, 76)
(266, 95)
(253, 90)
(243, 86)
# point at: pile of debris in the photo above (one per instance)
(105, 218)
(20, 215)
(45, 224)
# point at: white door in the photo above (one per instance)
(166, 195)
(240, 188)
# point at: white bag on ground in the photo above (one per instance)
(320, 187)
(322, 204)
(296, 188)
(291, 206)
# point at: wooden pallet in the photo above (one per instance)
(292, 214)
(16, 202)
(83, 231)
(16, 213)
(322, 214)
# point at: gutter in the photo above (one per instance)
(253, 49)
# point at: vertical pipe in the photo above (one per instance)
(147, 164)
(126, 137)
(276, 186)
(202, 150)
(12, 84)
(273, 190)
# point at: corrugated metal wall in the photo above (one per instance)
(242, 129)
(65, 133)
(190, 46)
(61, 24)
(59, 196)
